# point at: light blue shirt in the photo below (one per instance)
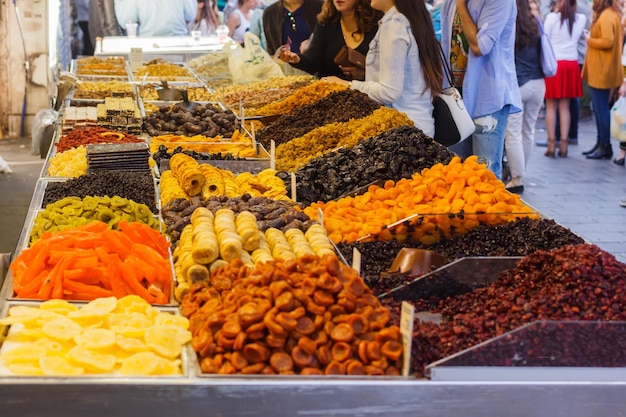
(157, 17)
(490, 81)
(393, 73)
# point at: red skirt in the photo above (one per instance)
(567, 82)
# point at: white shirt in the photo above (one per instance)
(565, 45)
(393, 73)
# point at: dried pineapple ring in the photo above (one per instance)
(130, 344)
(168, 367)
(105, 305)
(131, 325)
(54, 347)
(92, 361)
(21, 314)
(142, 363)
(28, 369)
(61, 328)
(95, 339)
(58, 306)
(171, 319)
(28, 352)
(131, 304)
(164, 340)
(56, 365)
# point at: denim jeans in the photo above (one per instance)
(600, 100)
(488, 140)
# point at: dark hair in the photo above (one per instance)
(599, 6)
(526, 27)
(567, 9)
(209, 13)
(424, 34)
(366, 17)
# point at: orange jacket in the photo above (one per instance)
(603, 63)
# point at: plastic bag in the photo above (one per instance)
(618, 119)
(42, 131)
(250, 63)
(4, 167)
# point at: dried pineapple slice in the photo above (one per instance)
(105, 305)
(61, 328)
(132, 304)
(95, 339)
(56, 365)
(131, 344)
(28, 352)
(130, 325)
(164, 340)
(92, 361)
(168, 367)
(54, 347)
(27, 369)
(172, 319)
(58, 306)
(142, 363)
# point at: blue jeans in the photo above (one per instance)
(488, 140)
(600, 101)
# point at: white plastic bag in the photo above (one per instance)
(4, 167)
(42, 130)
(618, 119)
(250, 63)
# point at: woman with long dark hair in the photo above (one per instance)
(403, 66)
(603, 69)
(565, 27)
(520, 128)
(341, 23)
(207, 19)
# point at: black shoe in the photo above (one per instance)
(573, 141)
(518, 189)
(592, 150)
(603, 152)
(619, 161)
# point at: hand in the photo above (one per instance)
(336, 80)
(586, 34)
(289, 57)
(353, 72)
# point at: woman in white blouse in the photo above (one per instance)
(403, 68)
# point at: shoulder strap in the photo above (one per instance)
(446, 65)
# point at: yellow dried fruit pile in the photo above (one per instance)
(106, 336)
(71, 163)
(299, 151)
(301, 97)
(444, 199)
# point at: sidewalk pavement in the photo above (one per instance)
(578, 193)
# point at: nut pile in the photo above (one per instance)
(339, 106)
(310, 316)
(135, 186)
(164, 71)
(392, 155)
(207, 120)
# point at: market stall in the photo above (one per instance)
(182, 274)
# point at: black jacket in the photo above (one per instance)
(274, 20)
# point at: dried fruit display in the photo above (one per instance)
(443, 199)
(279, 214)
(574, 282)
(95, 135)
(299, 151)
(213, 69)
(74, 211)
(301, 97)
(71, 163)
(92, 261)
(98, 90)
(136, 186)
(163, 154)
(204, 119)
(164, 71)
(310, 316)
(339, 106)
(211, 241)
(392, 155)
(125, 337)
(96, 66)
(148, 92)
(238, 145)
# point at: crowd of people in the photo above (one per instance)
(493, 48)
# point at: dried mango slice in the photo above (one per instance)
(61, 328)
(92, 361)
(56, 365)
(164, 340)
(142, 363)
(95, 339)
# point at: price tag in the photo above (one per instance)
(135, 58)
(273, 154)
(356, 260)
(320, 216)
(407, 317)
(294, 190)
